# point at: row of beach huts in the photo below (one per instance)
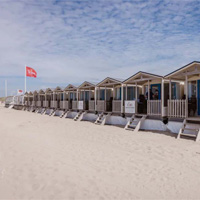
(144, 101)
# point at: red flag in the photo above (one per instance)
(19, 91)
(31, 72)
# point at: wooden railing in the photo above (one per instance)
(91, 105)
(74, 105)
(64, 105)
(100, 105)
(39, 103)
(45, 104)
(116, 107)
(54, 104)
(154, 107)
(33, 103)
(81, 105)
(176, 108)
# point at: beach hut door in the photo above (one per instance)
(155, 87)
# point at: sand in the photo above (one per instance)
(44, 157)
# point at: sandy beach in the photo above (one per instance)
(44, 157)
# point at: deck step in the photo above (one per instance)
(76, 118)
(190, 129)
(62, 114)
(43, 111)
(130, 129)
(189, 135)
(51, 113)
(11, 106)
(100, 119)
(132, 125)
(80, 115)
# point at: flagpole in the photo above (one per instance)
(25, 80)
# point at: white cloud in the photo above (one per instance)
(72, 41)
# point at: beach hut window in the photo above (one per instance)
(118, 93)
(71, 96)
(102, 94)
(192, 87)
(130, 93)
(109, 94)
(82, 95)
(75, 96)
(86, 95)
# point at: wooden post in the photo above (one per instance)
(105, 94)
(113, 92)
(105, 99)
(63, 100)
(149, 98)
(77, 96)
(162, 99)
(126, 93)
(99, 92)
(95, 98)
(186, 96)
(170, 89)
(122, 99)
(170, 97)
(136, 99)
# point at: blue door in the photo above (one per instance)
(155, 87)
(198, 96)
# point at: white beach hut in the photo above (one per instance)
(144, 101)
(26, 101)
(86, 102)
(40, 100)
(70, 95)
(183, 103)
(109, 98)
(47, 103)
(57, 101)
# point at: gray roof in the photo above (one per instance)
(185, 66)
(119, 80)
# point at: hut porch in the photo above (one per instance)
(148, 97)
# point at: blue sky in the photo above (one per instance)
(71, 41)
